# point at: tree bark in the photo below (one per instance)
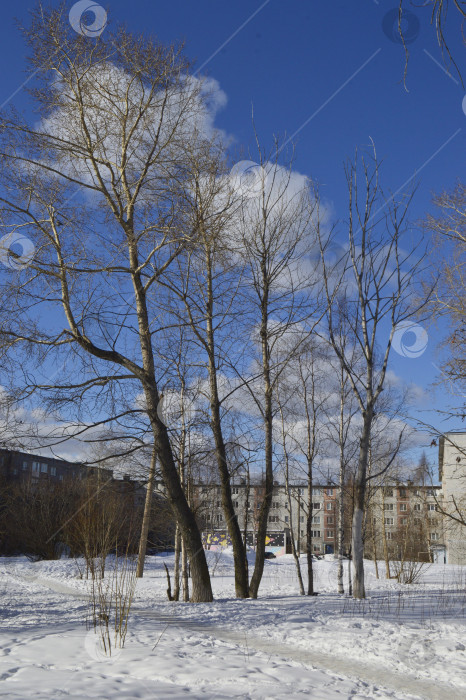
(176, 569)
(310, 564)
(146, 518)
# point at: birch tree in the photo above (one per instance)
(383, 262)
(275, 230)
(95, 185)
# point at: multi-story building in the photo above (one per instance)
(287, 516)
(404, 521)
(15, 465)
(452, 474)
(402, 517)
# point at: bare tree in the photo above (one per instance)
(382, 265)
(96, 185)
(206, 282)
(285, 439)
(275, 233)
(146, 517)
(449, 269)
(442, 12)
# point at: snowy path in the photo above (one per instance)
(279, 647)
(370, 673)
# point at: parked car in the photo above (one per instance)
(269, 555)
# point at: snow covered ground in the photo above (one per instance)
(401, 642)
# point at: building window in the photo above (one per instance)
(432, 506)
(330, 520)
(219, 518)
(235, 490)
(15, 471)
(235, 504)
(301, 519)
(403, 521)
(316, 520)
(302, 533)
(417, 506)
(207, 517)
(330, 534)
(273, 518)
(388, 521)
(275, 504)
(25, 466)
(402, 493)
(219, 503)
(388, 506)
(389, 535)
(61, 477)
(389, 493)
(36, 466)
(329, 492)
(329, 506)
(315, 533)
(44, 468)
(287, 519)
(316, 506)
(403, 506)
(300, 492)
(317, 492)
(53, 471)
(434, 536)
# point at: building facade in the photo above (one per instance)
(401, 519)
(287, 517)
(452, 474)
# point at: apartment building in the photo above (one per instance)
(404, 519)
(287, 517)
(15, 465)
(452, 474)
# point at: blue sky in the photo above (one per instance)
(324, 72)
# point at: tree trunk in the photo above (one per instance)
(176, 571)
(234, 531)
(146, 519)
(341, 532)
(350, 582)
(184, 572)
(293, 543)
(341, 505)
(268, 435)
(310, 564)
(202, 589)
(358, 513)
(374, 548)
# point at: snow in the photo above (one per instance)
(403, 641)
